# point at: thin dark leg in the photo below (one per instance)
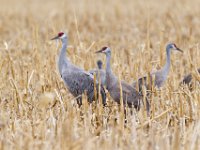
(79, 101)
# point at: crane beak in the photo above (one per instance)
(178, 49)
(99, 51)
(57, 37)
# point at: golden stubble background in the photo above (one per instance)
(36, 110)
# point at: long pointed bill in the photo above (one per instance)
(55, 38)
(178, 49)
(100, 51)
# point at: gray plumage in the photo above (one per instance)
(188, 79)
(161, 75)
(130, 95)
(76, 79)
(99, 73)
(99, 64)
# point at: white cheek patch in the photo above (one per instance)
(106, 50)
(174, 47)
(63, 36)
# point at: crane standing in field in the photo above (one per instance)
(157, 78)
(160, 75)
(76, 79)
(129, 94)
(99, 72)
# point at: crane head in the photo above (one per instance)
(99, 64)
(61, 35)
(174, 47)
(104, 50)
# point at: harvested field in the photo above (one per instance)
(38, 112)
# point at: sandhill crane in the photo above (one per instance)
(160, 75)
(129, 94)
(99, 72)
(188, 79)
(76, 79)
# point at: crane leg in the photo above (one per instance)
(79, 101)
(148, 106)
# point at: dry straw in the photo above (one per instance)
(38, 112)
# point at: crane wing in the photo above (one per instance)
(126, 87)
(81, 78)
(79, 82)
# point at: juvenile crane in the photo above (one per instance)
(160, 75)
(99, 72)
(76, 79)
(129, 94)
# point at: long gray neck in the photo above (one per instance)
(167, 64)
(108, 67)
(110, 78)
(63, 61)
(99, 66)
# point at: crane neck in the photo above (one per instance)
(110, 77)
(99, 66)
(168, 61)
(108, 66)
(63, 49)
(63, 61)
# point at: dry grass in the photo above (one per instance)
(37, 112)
